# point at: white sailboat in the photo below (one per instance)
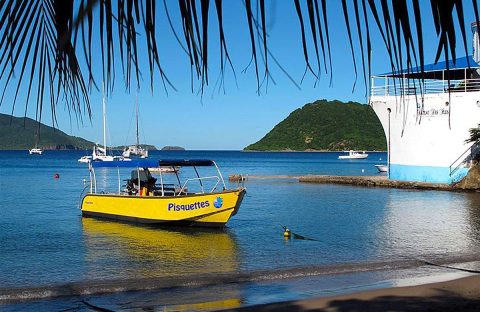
(100, 152)
(35, 150)
(136, 149)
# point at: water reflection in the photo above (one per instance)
(119, 250)
(430, 223)
(473, 209)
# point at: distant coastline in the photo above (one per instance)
(21, 133)
(309, 151)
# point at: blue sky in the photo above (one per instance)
(238, 117)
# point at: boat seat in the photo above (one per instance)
(146, 180)
(170, 190)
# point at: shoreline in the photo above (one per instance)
(432, 292)
(306, 151)
(461, 294)
(398, 273)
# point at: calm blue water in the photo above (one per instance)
(45, 241)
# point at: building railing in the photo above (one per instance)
(401, 87)
(464, 160)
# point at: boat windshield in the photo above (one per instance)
(149, 177)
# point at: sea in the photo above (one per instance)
(348, 238)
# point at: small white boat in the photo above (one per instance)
(85, 159)
(353, 155)
(382, 168)
(36, 151)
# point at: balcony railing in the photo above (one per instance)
(401, 87)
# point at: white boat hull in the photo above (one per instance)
(381, 168)
(353, 157)
(85, 159)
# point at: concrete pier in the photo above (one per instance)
(375, 181)
(365, 181)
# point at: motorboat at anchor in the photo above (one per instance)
(199, 201)
(353, 155)
(85, 159)
(381, 168)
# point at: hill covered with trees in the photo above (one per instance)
(19, 134)
(326, 126)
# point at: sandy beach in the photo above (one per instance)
(456, 295)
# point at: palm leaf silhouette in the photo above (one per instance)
(39, 42)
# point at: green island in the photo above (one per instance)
(326, 126)
(172, 148)
(19, 133)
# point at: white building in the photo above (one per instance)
(427, 124)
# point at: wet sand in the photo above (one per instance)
(456, 295)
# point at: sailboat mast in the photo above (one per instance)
(138, 138)
(104, 118)
(36, 136)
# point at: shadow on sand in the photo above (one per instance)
(446, 302)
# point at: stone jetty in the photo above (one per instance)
(364, 181)
(374, 181)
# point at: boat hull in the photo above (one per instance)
(353, 157)
(211, 210)
(381, 168)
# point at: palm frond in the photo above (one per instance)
(39, 42)
(474, 135)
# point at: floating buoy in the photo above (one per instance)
(286, 232)
(56, 176)
(363, 170)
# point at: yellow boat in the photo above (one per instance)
(199, 201)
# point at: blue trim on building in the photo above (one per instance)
(426, 174)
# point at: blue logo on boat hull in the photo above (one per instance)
(218, 202)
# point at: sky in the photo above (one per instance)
(238, 116)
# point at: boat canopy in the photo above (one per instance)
(152, 163)
(463, 67)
